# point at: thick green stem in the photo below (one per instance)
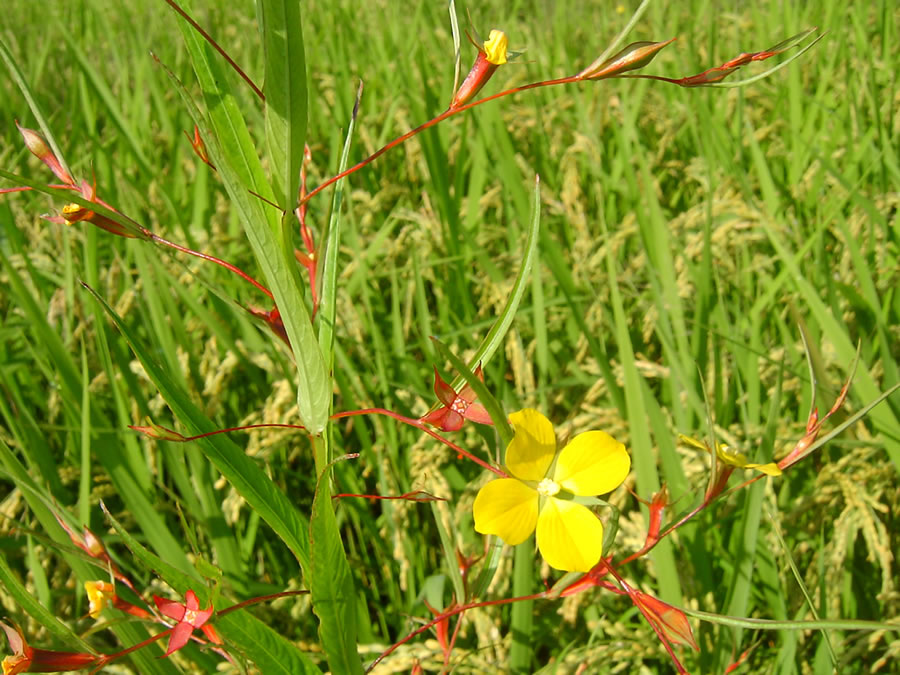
(520, 655)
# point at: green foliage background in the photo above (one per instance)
(688, 236)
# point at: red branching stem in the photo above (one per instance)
(139, 645)
(212, 43)
(665, 533)
(688, 516)
(308, 260)
(417, 496)
(450, 112)
(211, 258)
(261, 598)
(452, 642)
(418, 424)
(459, 609)
(248, 427)
(301, 210)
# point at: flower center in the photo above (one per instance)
(460, 405)
(547, 487)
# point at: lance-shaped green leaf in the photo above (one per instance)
(232, 151)
(248, 479)
(286, 95)
(329, 261)
(331, 583)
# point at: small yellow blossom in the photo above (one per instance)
(99, 594)
(495, 47)
(540, 495)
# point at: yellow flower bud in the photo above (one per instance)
(99, 593)
(495, 47)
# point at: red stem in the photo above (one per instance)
(212, 258)
(247, 427)
(214, 45)
(681, 521)
(262, 598)
(418, 424)
(450, 112)
(139, 645)
(453, 612)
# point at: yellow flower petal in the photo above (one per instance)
(569, 536)
(770, 469)
(730, 456)
(508, 508)
(530, 452)
(593, 463)
(495, 47)
(98, 592)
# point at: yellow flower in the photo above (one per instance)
(732, 457)
(495, 47)
(99, 593)
(541, 492)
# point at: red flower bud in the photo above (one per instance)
(39, 148)
(27, 659)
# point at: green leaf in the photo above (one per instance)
(248, 479)
(330, 268)
(331, 584)
(270, 651)
(494, 339)
(286, 95)
(239, 167)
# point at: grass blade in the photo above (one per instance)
(330, 267)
